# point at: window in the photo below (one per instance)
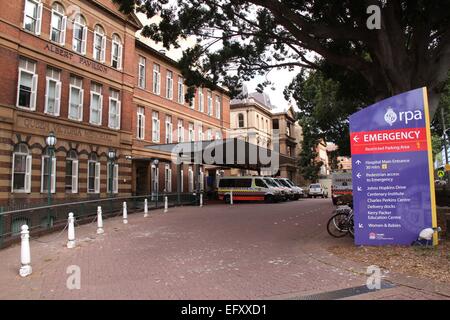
(93, 182)
(53, 92)
(58, 24)
(113, 179)
(33, 16)
(209, 98)
(201, 180)
(156, 79)
(243, 183)
(200, 133)
(96, 104)
(191, 132)
(155, 180)
(71, 181)
(21, 173)
(155, 126)
(241, 120)
(180, 131)
(99, 46)
(169, 128)
(181, 90)
(209, 134)
(288, 129)
(76, 96)
(201, 100)
(27, 84)
(140, 123)
(218, 135)
(114, 109)
(116, 52)
(218, 107)
(260, 183)
(190, 180)
(48, 162)
(141, 72)
(169, 85)
(79, 34)
(192, 102)
(168, 178)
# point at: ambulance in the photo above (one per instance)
(247, 189)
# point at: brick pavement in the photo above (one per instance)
(245, 251)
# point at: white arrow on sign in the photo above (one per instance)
(358, 175)
(361, 226)
(359, 189)
(358, 162)
(355, 138)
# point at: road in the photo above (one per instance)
(244, 251)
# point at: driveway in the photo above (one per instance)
(244, 251)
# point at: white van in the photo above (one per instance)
(247, 189)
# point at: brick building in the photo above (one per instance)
(74, 68)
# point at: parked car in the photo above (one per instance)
(247, 189)
(283, 191)
(317, 190)
(298, 192)
(292, 193)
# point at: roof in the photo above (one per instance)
(253, 158)
(133, 19)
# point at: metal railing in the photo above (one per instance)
(45, 219)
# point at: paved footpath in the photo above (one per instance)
(245, 251)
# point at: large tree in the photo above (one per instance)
(410, 50)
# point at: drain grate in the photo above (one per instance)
(343, 293)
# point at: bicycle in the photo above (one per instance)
(341, 223)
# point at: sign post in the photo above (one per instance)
(393, 177)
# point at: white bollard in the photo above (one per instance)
(145, 208)
(99, 221)
(231, 197)
(125, 213)
(25, 255)
(166, 204)
(201, 200)
(71, 231)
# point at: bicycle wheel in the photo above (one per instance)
(337, 226)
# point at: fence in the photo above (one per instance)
(45, 219)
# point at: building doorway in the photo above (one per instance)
(142, 179)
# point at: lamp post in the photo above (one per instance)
(51, 142)
(111, 157)
(156, 181)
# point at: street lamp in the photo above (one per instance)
(51, 142)
(156, 182)
(112, 157)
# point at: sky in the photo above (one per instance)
(279, 78)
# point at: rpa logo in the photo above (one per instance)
(390, 117)
(404, 116)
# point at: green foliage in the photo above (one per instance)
(238, 40)
(326, 98)
(308, 164)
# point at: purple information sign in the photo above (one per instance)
(393, 190)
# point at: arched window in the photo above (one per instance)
(93, 174)
(58, 24)
(79, 34)
(71, 180)
(21, 173)
(48, 171)
(99, 44)
(116, 52)
(240, 120)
